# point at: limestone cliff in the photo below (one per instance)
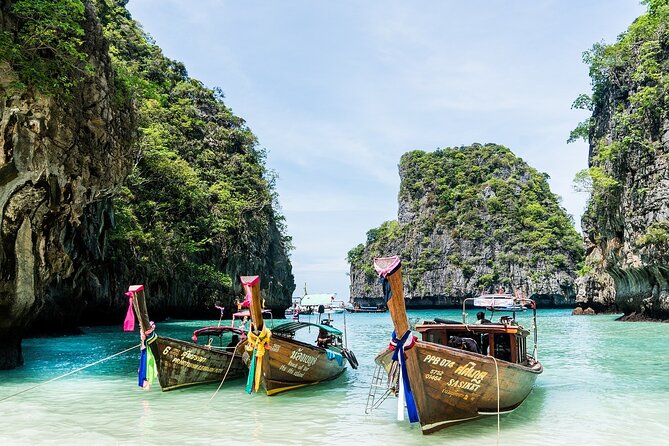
(198, 209)
(472, 218)
(61, 156)
(116, 168)
(626, 224)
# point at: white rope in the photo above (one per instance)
(232, 359)
(497, 377)
(70, 373)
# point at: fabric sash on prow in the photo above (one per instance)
(390, 272)
(136, 293)
(258, 336)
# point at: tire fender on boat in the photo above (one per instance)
(350, 357)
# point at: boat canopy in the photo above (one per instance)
(311, 300)
(499, 302)
(216, 331)
(291, 327)
(241, 314)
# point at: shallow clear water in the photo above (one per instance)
(604, 383)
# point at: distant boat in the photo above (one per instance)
(456, 371)
(178, 363)
(278, 362)
(318, 303)
(361, 309)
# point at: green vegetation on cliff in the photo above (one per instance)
(482, 196)
(630, 105)
(45, 48)
(199, 207)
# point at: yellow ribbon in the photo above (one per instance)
(258, 342)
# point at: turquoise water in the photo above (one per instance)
(604, 383)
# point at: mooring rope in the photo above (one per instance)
(497, 377)
(70, 373)
(226, 374)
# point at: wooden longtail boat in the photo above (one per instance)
(279, 362)
(360, 309)
(179, 363)
(456, 371)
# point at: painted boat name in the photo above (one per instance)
(298, 355)
(471, 376)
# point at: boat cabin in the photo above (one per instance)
(504, 341)
(289, 329)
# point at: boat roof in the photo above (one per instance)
(292, 327)
(317, 299)
(499, 302)
(248, 313)
(449, 325)
(216, 331)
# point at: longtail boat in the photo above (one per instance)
(369, 309)
(456, 371)
(278, 361)
(178, 363)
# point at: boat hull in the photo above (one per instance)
(451, 385)
(291, 364)
(182, 363)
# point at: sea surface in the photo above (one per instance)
(604, 383)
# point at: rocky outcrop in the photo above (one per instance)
(472, 218)
(60, 162)
(626, 225)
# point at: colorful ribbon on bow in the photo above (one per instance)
(258, 343)
(147, 362)
(399, 346)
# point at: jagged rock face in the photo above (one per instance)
(463, 227)
(630, 274)
(627, 221)
(57, 160)
(195, 213)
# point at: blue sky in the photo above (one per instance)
(337, 91)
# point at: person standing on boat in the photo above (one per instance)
(480, 318)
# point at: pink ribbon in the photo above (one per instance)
(129, 322)
(247, 283)
(383, 269)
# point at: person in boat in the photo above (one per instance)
(464, 343)
(480, 318)
(324, 337)
(233, 342)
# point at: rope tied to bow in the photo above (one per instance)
(258, 344)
